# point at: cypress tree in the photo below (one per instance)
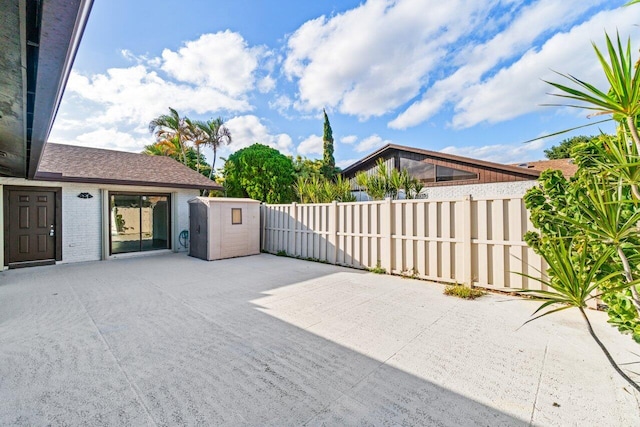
(328, 161)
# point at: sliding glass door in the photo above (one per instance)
(139, 222)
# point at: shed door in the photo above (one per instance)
(31, 226)
(198, 232)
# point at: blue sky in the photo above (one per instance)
(464, 77)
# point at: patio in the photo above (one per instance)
(266, 340)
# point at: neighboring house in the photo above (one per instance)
(566, 166)
(89, 204)
(448, 175)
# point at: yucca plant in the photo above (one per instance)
(615, 157)
(588, 226)
(575, 279)
(322, 190)
(623, 97)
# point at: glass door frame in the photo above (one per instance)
(140, 195)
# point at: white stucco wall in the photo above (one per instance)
(82, 227)
(181, 199)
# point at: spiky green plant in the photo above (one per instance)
(574, 280)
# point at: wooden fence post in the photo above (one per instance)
(466, 242)
(262, 226)
(292, 226)
(386, 245)
(333, 232)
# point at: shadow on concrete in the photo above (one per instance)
(173, 340)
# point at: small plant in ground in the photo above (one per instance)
(378, 269)
(463, 292)
(412, 273)
(281, 253)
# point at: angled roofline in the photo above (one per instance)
(444, 156)
(61, 25)
(58, 177)
(54, 169)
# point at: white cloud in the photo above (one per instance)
(531, 22)
(311, 145)
(222, 61)
(349, 139)
(110, 138)
(213, 74)
(377, 56)
(281, 104)
(517, 89)
(136, 95)
(501, 153)
(247, 130)
(266, 84)
(371, 143)
(342, 164)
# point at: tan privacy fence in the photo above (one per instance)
(468, 241)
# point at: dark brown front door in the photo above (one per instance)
(31, 227)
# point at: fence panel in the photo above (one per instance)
(470, 241)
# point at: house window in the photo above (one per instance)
(139, 222)
(236, 216)
(425, 172)
(444, 173)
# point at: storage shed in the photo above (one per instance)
(223, 227)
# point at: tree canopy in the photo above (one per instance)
(307, 168)
(261, 173)
(181, 138)
(563, 149)
(328, 161)
(170, 148)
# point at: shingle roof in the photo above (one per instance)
(69, 163)
(566, 166)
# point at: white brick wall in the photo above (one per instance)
(82, 218)
(495, 189)
(81, 224)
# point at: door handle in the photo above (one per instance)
(52, 232)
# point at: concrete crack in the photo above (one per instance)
(132, 386)
(535, 400)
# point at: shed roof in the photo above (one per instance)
(533, 174)
(69, 163)
(209, 200)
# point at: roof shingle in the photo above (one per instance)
(566, 166)
(69, 163)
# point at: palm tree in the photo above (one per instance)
(197, 136)
(216, 134)
(165, 147)
(168, 127)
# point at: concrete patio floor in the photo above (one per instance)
(265, 340)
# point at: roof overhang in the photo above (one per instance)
(391, 148)
(38, 43)
(58, 177)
